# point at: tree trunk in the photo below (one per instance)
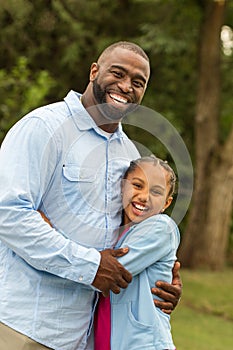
(205, 240)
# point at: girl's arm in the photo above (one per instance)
(148, 242)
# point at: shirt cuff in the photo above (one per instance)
(88, 264)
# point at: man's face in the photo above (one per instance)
(119, 82)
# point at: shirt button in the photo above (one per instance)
(80, 278)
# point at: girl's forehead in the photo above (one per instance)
(149, 167)
(150, 170)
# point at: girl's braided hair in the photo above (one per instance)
(153, 159)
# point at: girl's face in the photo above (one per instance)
(145, 192)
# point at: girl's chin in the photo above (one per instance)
(138, 219)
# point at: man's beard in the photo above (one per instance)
(108, 110)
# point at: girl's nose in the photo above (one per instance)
(143, 196)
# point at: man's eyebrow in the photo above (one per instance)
(137, 76)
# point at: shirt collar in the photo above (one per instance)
(82, 118)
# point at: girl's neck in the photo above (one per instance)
(124, 227)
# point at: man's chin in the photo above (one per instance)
(116, 113)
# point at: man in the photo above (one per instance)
(66, 160)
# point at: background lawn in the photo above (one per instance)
(204, 318)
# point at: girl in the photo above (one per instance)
(129, 320)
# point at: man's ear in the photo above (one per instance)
(168, 202)
(94, 71)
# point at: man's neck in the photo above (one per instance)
(97, 116)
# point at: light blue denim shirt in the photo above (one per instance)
(57, 160)
(135, 322)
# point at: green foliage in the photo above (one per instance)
(20, 92)
(64, 37)
(171, 39)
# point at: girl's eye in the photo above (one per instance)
(156, 193)
(136, 185)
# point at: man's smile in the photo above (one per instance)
(118, 98)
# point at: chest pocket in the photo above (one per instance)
(75, 173)
(82, 188)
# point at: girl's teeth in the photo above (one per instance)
(139, 207)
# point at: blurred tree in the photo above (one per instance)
(205, 241)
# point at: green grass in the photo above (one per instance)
(204, 318)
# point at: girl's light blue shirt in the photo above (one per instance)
(136, 323)
(57, 160)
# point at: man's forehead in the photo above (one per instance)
(126, 59)
(121, 52)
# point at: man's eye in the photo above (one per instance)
(138, 84)
(117, 74)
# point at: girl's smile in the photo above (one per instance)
(145, 192)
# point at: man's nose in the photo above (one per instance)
(125, 85)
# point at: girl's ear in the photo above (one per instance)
(93, 71)
(168, 202)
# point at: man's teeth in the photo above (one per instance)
(118, 98)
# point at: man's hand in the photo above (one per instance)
(170, 293)
(111, 275)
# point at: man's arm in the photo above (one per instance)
(111, 275)
(170, 293)
(23, 182)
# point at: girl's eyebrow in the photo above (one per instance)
(138, 178)
(137, 76)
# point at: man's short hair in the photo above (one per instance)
(124, 45)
